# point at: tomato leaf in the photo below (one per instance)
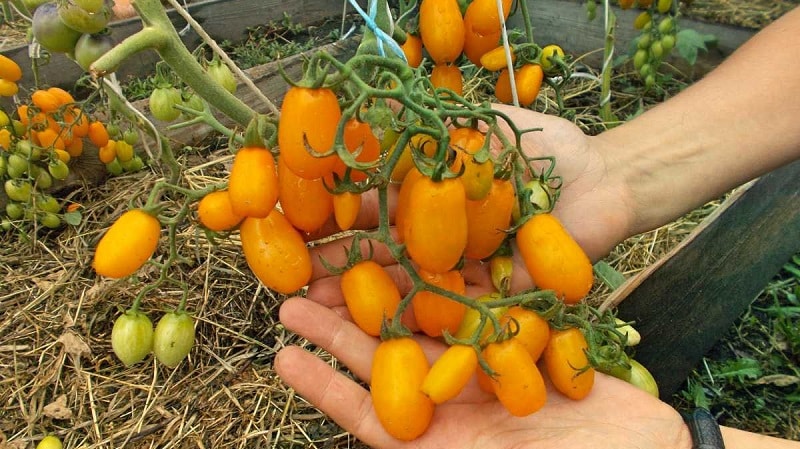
(609, 275)
(689, 43)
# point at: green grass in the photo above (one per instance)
(751, 378)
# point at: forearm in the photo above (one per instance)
(739, 439)
(734, 125)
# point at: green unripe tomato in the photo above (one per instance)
(173, 338)
(639, 59)
(132, 337)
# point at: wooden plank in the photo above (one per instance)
(564, 22)
(687, 300)
(222, 19)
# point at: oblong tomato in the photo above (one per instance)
(309, 118)
(127, 245)
(441, 28)
(487, 220)
(567, 365)
(527, 79)
(358, 138)
(275, 252)
(518, 384)
(253, 182)
(435, 313)
(370, 295)
(478, 44)
(306, 203)
(399, 367)
(173, 338)
(450, 373)
(533, 331)
(215, 212)
(404, 202)
(447, 76)
(436, 228)
(476, 176)
(412, 48)
(484, 16)
(346, 206)
(554, 259)
(132, 337)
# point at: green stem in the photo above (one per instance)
(608, 53)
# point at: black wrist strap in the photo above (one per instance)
(705, 430)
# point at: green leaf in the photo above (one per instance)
(73, 218)
(740, 369)
(609, 275)
(689, 43)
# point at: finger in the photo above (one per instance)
(330, 331)
(333, 393)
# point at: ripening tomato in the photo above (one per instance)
(477, 176)
(359, 140)
(98, 134)
(370, 294)
(309, 119)
(642, 378)
(275, 252)
(215, 212)
(476, 44)
(441, 28)
(162, 103)
(518, 384)
(306, 203)
(50, 442)
(9, 69)
(495, 59)
(90, 47)
(533, 331)
(435, 313)
(450, 373)
(528, 80)
(412, 48)
(82, 20)
(487, 220)
(546, 59)
(127, 245)
(399, 367)
(132, 337)
(436, 224)
(173, 338)
(404, 202)
(447, 76)
(566, 363)
(253, 182)
(108, 152)
(45, 101)
(483, 15)
(554, 259)
(472, 319)
(346, 206)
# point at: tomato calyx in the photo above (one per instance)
(354, 256)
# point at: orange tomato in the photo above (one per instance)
(127, 245)
(108, 152)
(61, 95)
(533, 331)
(309, 118)
(9, 69)
(495, 59)
(215, 212)
(441, 28)
(275, 252)
(346, 206)
(483, 15)
(528, 80)
(447, 76)
(45, 101)
(476, 44)
(306, 203)
(399, 367)
(450, 373)
(253, 182)
(412, 48)
(358, 138)
(404, 202)
(554, 259)
(370, 295)
(422, 143)
(477, 176)
(487, 220)
(435, 313)
(436, 228)
(518, 384)
(564, 357)
(98, 134)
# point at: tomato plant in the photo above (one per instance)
(51, 32)
(398, 369)
(370, 294)
(127, 245)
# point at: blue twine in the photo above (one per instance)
(383, 38)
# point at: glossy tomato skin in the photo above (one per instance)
(308, 117)
(528, 80)
(434, 313)
(488, 218)
(358, 138)
(399, 367)
(441, 28)
(448, 76)
(533, 331)
(127, 245)
(346, 206)
(173, 338)
(370, 294)
(253, 182)
(215, 212)
(404, 202)
(483, 15)
(495, 59)
(554, 259)
(412, 48)
(436, 228)
(476, 176)
(306, 203)
(450, 373)
(518, 384)
(477, 44)
(132, 337)
(276, 252)
(564, 356)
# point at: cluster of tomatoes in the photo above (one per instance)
(657, 39)
(77, 28)
(445, 34)
(168, 94)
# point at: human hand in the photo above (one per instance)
(614, 415)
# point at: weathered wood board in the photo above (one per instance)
(687, 300)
